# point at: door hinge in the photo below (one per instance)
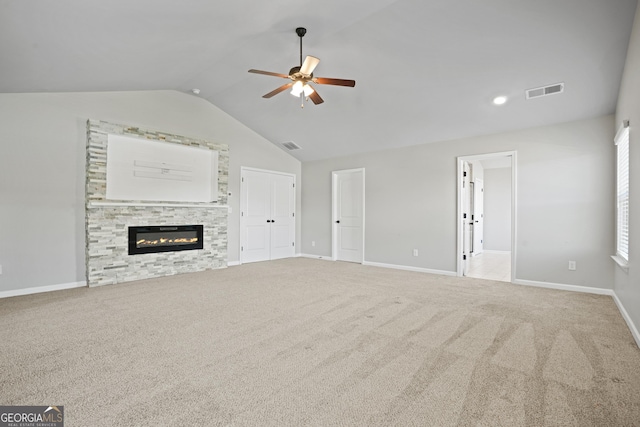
(293, 214)
(464, 173)
(472, 217)
(241, 213)
(243, 179)
(464, 215)
(294, 185)
(241, 248)
(464, 257)
(293, 243)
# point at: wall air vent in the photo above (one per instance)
(545, 90)
(291, 145)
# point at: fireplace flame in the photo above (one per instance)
(165, 242)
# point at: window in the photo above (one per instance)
(622, 185)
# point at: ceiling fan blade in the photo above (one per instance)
(277, 91)
(317, 99)
(269, 73)
(309, 64)
(335, 82)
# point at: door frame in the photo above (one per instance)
(514, 217)
(243, 207)
(334, 213)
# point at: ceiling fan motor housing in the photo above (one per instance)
(295, 74)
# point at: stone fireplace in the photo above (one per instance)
(109, 222)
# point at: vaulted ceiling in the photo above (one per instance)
(426, 70)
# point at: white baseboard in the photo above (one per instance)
(627, 318)
(234, 263)
(409, 268)
(40, 289)
(392, 266)
(563, 287)
(325, 258)
(589, 290)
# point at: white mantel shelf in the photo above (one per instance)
(158, 204)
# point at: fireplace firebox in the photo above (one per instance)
(165, 238)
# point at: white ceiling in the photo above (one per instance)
(426, 70)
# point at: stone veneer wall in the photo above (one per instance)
(107, 221)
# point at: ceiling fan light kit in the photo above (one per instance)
(302, 76)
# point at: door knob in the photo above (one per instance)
(338, 222)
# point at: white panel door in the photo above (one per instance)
(467, 224)
(256, 211)
(267, 215)
(282, 216)
(349, 215)
(478, 216)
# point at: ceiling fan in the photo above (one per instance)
(302, 76)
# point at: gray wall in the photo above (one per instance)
(627, 285)
(42, 170)
(563, 170)
(497, 209)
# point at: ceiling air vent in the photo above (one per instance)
(544, 91)
(291, 145)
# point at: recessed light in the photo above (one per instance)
(499, 100)
(195, 91)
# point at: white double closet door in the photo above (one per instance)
(267, 217)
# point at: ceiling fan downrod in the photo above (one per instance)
(301, 31)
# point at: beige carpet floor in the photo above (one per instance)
(300, 342)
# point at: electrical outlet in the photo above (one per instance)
(572, 265)
(415, 252)
(313, 243)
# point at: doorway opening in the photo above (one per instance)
(486, 216)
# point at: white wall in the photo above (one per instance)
(627, 285)
(564, 171)
(42, 171)
(497, 209)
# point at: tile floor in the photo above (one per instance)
(491, 266)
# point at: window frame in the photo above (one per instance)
(622, 142)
